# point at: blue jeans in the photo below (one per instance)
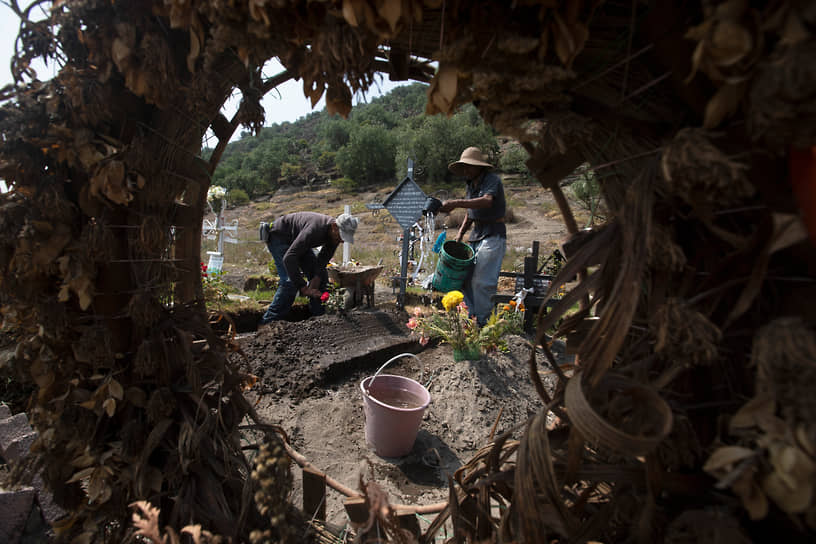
(287, 291)
(481, 287)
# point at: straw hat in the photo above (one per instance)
(472, 156)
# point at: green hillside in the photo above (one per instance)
(369, 148)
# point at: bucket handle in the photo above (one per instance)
(391, 360)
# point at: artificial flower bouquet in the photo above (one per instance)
(452, 325)
(215, 198)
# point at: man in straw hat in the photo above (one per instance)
(291, 241)
(486, 207)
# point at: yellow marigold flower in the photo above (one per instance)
(452, 299)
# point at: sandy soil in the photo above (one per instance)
(309, 383)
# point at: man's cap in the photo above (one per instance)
(347, 224)
(472, 156)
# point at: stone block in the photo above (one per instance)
(19, 447)
(50, 510)
(5, 411)
(11, 429)
(15, 507)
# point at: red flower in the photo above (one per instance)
(324, 297)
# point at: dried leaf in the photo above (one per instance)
(725, 457)
(257, 11)
(794, 30)
(751, 494)
(753, 412)
(81, 475)
(804, 440)
(790, 499)
(789, 229)
(116, 390)
(119, 52)
(390, 10)
(565, 46)
(195, 49)
(109, 180)
(338, 99)
(195, 532)
(146, 520)
(723, 104)
(791, 464)
(443, 89)
(84, 460)
(136, 397)
(350, 10)
(89, 404)
(730, 43)
(98, 489)
(109, 406)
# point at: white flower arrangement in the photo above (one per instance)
(215, 198)
(216, 193)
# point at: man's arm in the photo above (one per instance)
(291, 259)
(484, 201)
(463, 228)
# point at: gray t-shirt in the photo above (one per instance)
(484, 219)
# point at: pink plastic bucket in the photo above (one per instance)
(393, 407)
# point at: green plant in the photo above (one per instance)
(587, 192)
(336, 299)
(504, 319)
(214, 288)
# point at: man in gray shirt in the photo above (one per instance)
(486, 208)
(291, 240)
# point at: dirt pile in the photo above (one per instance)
(310, 374)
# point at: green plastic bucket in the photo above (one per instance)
(453, 267)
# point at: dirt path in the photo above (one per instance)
(310, 374)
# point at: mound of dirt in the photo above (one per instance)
(309, 384)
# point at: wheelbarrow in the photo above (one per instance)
(358, 282)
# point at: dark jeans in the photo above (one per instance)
(287, 291)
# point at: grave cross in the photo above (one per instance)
(405, 204)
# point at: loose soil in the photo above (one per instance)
(309, 383)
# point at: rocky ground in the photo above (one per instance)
(309, 384)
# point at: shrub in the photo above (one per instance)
(237, 197)
(345, 185)
(513, 161)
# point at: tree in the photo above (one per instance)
(369, 155)
(438, 141)
(587, 192)
(335, 134)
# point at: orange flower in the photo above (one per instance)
(506, 308)
(512, 303)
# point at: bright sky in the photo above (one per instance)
(286, 103)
